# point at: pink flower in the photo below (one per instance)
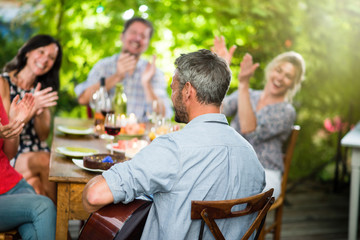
(335, 124)
(328, 125)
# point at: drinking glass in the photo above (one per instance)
(112, 126)
(106, 106)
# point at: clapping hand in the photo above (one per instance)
(18, 113)
(44, 98)
(21, 110)
(149, 71)
(12, 129)
(220, 49)
(247, 68)
(126, 63)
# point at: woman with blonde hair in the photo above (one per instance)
(265, 117)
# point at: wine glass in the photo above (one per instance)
(112, 126)
(106, 106)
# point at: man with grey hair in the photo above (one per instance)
(206, 160)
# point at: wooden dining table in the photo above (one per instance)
(70, 178)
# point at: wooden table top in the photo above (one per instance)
(62, 169)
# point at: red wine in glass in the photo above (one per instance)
(112, 130)
(104, 112)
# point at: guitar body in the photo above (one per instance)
(117, 221)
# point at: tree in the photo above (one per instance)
(326, 33)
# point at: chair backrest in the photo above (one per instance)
(208, 211)
(289, 151)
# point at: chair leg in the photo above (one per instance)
(262, 233)
(278, 219)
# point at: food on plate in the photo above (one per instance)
(163, 129)
(133, 129)
(108, 159)
(130, 147)
(103, 161)
(152, 136)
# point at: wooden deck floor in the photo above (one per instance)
(312, 212)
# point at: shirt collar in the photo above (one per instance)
(210, 117)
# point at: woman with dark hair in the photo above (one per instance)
(265, 117)
(35, 69)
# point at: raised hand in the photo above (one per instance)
(125, 64)
(149, 71)
(247, 68)
(221, 50)
(44, 98)
(12, 129)
(21, 111)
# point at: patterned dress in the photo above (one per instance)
(274, 124)
(29, 140)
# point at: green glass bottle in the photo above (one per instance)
(119, 100)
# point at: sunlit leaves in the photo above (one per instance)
(325, 32)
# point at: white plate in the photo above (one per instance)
(80, 164)
(75, 130)
(129, 152)
(77, 152)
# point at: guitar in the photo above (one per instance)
(117, 221)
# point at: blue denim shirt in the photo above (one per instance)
(136, 100)
(206, 160)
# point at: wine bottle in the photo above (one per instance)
(101, 99)
(119, 100)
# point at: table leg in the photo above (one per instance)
(63, 205)
(354, 194)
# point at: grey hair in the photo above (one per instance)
(209, 74)
(298, 62)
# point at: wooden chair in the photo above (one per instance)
(278, 206)
(208, 211)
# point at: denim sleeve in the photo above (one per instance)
(94, 76)
(154, 169)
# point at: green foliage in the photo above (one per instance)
(12, 38)
(326, 33)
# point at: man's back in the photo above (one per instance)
(216, 163)
(207, 160)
